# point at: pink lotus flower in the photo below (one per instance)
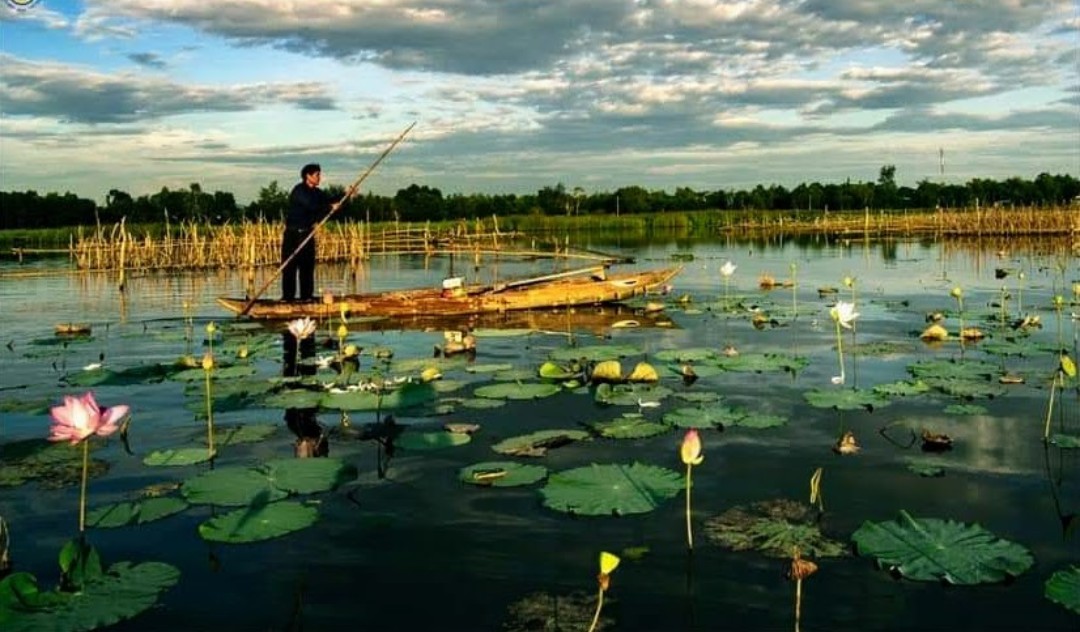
(81, 417)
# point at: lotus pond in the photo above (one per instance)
(933, 483)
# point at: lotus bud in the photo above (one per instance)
(351, 350)
(1059, 301)
(242, 352)
(211, 328)
(849, 281)
(957, 293)
(342, 331)
(208, 362)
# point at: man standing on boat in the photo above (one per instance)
(308, 205)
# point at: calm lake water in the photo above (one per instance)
(419, 550)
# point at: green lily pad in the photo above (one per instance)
(554, 371)
(293, 398)
(774, 528)
(257, 523)
(538, 443)
(700, 397)
(517, 390)
(1065, 441)
(880, 348)
(39, 406)
(685, 355)
(629, 426)
(700, 370)
(50, 464)
(925, 468)
(231, 486)
(219, 373)
(762, 363)
(181, 456)
(1063, 588)
(501, 474)
(308, 476)
(630, 394)
(514, 375)
(902, 388)
(406, 396)
(489, 368)
(930, 549)
(480, 403)
(438, 440)
(595, 353)
(966, 389)
(146, 374)
(605, 490)
(717, 415)
(122, 592)
(247, 433)
(760, 420)
(953, 370)
(130, 513)
(846, 399)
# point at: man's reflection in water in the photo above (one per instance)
(311, 437)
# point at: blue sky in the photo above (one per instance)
(513, 95)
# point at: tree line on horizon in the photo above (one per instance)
(420, 202)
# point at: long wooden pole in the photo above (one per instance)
(333, 209)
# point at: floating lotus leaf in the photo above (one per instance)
(514, 375)
(953, 370)
(308, 476)
(762, 362)
(438, 440)
(514, 390)
(501, 474)
(964, 409)
(219, 373)
(596, 353)
(716, 415)
(774, 528)
(966, 388)
(1065, 441)
(925, 468)
(605, 490)
(607, 371)
(1063, 588)
(902, 388)
(846, 399)
(930, 549)
(629, 426)
(554, 371)
(538, 443)
(139, 512)
(685, 355)
(247, 433)
(701, 370)
(489, 368)
(760, 420)
(122, 592)
(701, 397)
(630, 394)
(416, 365)
(50, 464)
(407, 395)
(231, 486)
(261, 522)
(28, 407)
(181, 456)
(643, 372)
(1010, 347)
(293, 398)
(448, 386)
(880, 348)
(147, 374)
(480, 403)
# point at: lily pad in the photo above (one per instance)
(630, 394)
(257, 523)
(146, 374)
(266, 483)
(51, 464)
(846, 399)
(489, 368)
(774, 528)
(930, 549)
(1065, 441)
(964, 409)
(431, 440)
(760, 420)
(966, 389)
(538, 443)
(902, 388)
(713, 416)
(762, 363)
(501, 474)
(248, 433)
(685, 355)
(517, 390)
(405, 396)
(1063, 588)
(122, 592)
(480, 403)
(595, 353)
(629, 426)
(925, 468)
(953, 370)
(131, 513)
(181, 456)
(308, 476)
(605, 490)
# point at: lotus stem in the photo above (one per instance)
(82, 489)
(798, 603)
(209, 418)
(840, 351)
(689, 528)
(1050, 408)
(596, 615)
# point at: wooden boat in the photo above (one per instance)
(588, 286)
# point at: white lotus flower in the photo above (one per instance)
(302, 327)
(728, 269)
(844, 313)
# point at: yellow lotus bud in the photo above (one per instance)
(1059, 301)
(957, 293)
(208, 362)
(242, 352)
(351, 350)
(849, 281)
(342, 331)
(608, 562)
(211, 328)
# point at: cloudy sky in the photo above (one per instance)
(513, 95)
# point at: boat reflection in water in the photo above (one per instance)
(311, 437)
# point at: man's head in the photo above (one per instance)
(311, 174)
